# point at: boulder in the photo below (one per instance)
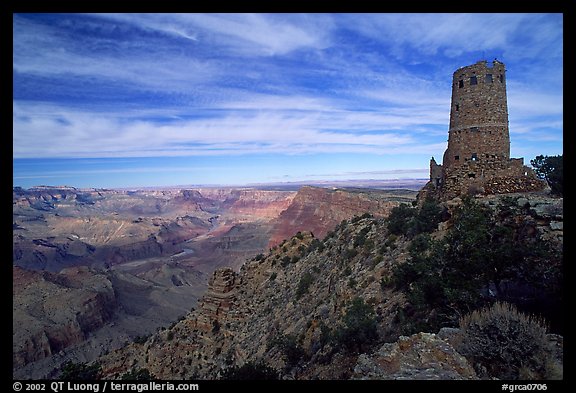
(422, 356)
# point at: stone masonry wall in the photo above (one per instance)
(490, 178)
(477, 159)
(478, 116)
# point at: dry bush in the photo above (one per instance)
(504, 343)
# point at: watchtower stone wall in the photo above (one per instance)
(477, 159)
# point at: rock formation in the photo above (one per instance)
(217, 302)
(42, 326)
(318, 210)
(420, 356)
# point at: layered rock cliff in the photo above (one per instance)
(54, 311)
(320, 209)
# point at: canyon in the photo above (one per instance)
(305, 307)
(94, 269)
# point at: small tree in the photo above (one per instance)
(359, 326)
(551, 169)
(399, 219)
(303, 285)
(289, 346)
(428, 217)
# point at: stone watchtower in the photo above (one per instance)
(477, 159)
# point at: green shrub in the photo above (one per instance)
(303, 285)
(288, 344)
(80, 371)
(347, 271)
(250, 371)
(399, 219)
(329, 235)
(391, 241)
(385, 282)
(350, 253)
(140, 339)
(361, 237)
(368, 246)
(451, 275)
(359, 328)
(410, 221)
(325, 334)
(501, 342)
(285, 260)
(427, 218)
(420, 244)
(351, 283)
(141, 374)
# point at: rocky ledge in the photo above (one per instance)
(420, 356)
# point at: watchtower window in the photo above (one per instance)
(474, 156)
(460, 84)
(471, 175)
(474, 129)
(488, 78)
(473, 80)
(456, 158)
(501, 78)
(457, 107)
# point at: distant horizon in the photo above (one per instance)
(135, 100)
(351, 183)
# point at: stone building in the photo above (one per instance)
(477, 159)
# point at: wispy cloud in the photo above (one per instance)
(241, 34)
(152, 85)
(85, 135)
(515, 35)
(368, 174)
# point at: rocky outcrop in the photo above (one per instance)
(420, 356)
(262, 204)
(54, 311)
(217, 302)
(319, 210)
(539, 211)
(243, 202)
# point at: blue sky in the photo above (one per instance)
(128, 100)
